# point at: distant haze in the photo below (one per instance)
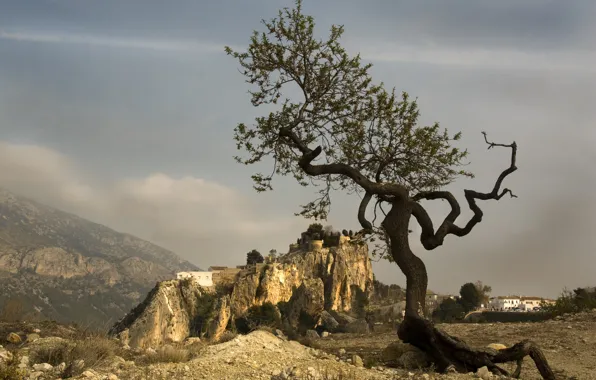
(123, 113)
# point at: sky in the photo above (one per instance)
(122, 111)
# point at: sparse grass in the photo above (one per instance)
(370, 361)
(92, 351)
(227, 336)
(168, 354)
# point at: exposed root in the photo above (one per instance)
(449, 352)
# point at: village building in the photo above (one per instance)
(203, 278)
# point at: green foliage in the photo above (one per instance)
(449, 310)
(580, 299)
(254, 257)
(359, 301)
(206, 311)
(387, 294)
(324, 97)
(265, 315)
(484, 291)
(470, 297)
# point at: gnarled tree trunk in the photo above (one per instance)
(447, 352)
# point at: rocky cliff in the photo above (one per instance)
(345, 270)
(55, 265)
(307, 281)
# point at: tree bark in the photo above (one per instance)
(448, 353)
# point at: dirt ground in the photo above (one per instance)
(569, 343)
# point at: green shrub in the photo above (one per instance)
(206, 311)
(263, 315)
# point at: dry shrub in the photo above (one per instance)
(92, 351)
(168, 354)
(227, 336)
(9, 369)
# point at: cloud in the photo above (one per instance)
(203, 221)
(113, 42)
(510, 59)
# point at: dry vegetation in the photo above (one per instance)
(569, 343)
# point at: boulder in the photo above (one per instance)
(304, 308)
(393, 354)
(328, 323)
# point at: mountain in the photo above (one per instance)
(55, 265)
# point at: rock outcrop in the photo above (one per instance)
(167, 315)
(307, 282)
(345, 271)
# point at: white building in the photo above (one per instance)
(203, 278)
(530, 303)
(504, 303)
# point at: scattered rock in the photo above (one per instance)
(484, 373)
(13, 338)
(43, 367)
(32, 337)
(414, 360)
(312, 334)
(328, 323)
(357, 361)
(497, 346)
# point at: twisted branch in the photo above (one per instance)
(431, 239)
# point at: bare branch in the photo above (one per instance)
(431, 239)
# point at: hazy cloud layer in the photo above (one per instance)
(123, 112)
(191, 216)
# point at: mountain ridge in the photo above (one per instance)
(52, 262)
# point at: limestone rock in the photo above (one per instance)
(357, 361)
(359, 326)
(414, 360)
(218, 324)
(308, 282)
(497, 346)
(307, 301)
(13, 338)
(166, 315)
(393, 353)
(484, 373)
(328, 323)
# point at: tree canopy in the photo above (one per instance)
(254, 257)
(329, 125)
(470, 297)
(366, 136)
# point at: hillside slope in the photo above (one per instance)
(59, 266)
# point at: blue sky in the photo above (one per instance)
(123, 112)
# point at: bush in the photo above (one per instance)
(257, 316)
(168, 354)
(580, 299)
(206, 312)
(227, 336)
(92, 351)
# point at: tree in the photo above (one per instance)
(484, 291)
(315, 229)
(449, 310)
(328, 125)
(470, 297)
(254, 257)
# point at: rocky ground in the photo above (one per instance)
(39, 351)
